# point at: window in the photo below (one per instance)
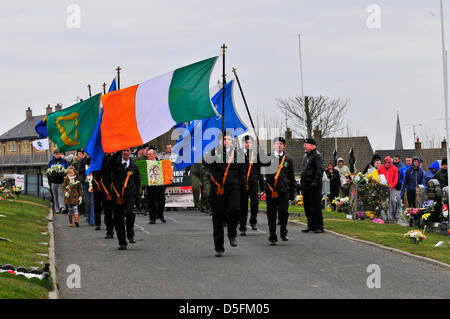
(26, 147)
(12, 147)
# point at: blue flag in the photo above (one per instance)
(41, 128)
(201, 135)
(94, 147)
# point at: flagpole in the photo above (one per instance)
(301, 68)
(246, 106)
(118, 77)
(104, 87)
(89, 88)
(224, 47)
(444, 64)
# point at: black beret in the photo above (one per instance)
(247, 137)
(310, 140)
(279, 139)
(444, 161)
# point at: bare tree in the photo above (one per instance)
(306, 113)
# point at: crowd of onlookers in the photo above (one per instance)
(402, 178)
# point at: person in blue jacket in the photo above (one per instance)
(434, 168)
(413, 177)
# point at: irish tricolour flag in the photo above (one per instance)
(137, 114)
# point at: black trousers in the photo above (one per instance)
(225, 207)
(254, 205)
(98, 195)
(156, 202)
(312, 201)
(277, 206)
(124, 218)
(108, 212)
(411, 196)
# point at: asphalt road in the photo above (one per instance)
(176, 260)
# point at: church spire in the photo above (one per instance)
(398, 135)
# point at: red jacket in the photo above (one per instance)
(391, 174)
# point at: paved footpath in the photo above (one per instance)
(176, 260)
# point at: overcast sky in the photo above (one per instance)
(397, 67)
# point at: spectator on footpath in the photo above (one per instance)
(344, 172)
(371, 166)
(434, 168)
(391, 174)
(413, 177)
(72, 194)
(56, 182)
(401, 176)
(335, 182)
(442, 175)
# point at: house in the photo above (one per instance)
(17, 155)
(362, 149)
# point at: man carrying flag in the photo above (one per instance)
(228, 181)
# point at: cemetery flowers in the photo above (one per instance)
(415, 235)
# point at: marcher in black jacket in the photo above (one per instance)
(280, 188)
(126, 182)
(311, 185)
(225, 197)
(254, 178)
(335, 182)
(106, 196)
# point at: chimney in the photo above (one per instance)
(417, 144)
(444, 144)
(317, 133)
(48, 109)
(288, 135)
(28, 113)
(58, 107)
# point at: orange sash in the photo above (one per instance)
(120, 200)
(249, 170)
(275, 193)
(108, 195)
(98, 185)
(220, 189)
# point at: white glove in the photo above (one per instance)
(80, 200)
(67, 195)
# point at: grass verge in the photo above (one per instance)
(25, 221)
(390, 235)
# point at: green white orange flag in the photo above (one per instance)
(137, 114)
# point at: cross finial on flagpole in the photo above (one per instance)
(234, 70)
(224, 48)
(89, 88)
(118, 70)
(104, 87)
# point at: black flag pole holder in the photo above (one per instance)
(224, 48)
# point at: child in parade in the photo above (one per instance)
(72, 194)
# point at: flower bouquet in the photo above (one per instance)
(16, 189)
(342, 203)
(415, 236)
(56, 170)
(298, 201)
(429, 205)
(412, 212)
